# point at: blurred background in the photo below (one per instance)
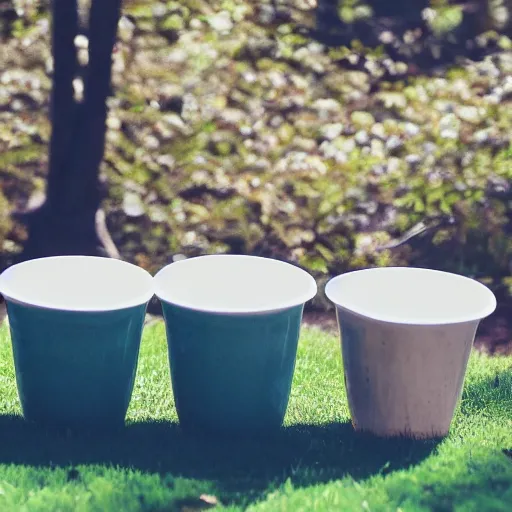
(333, 134)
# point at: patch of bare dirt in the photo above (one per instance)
(494, 335)
(325, 321)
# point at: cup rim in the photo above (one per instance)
(482, 313)
(10, 294)
(166, 295)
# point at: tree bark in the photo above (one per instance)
(63, 108)
(81, 180)
(70, 220)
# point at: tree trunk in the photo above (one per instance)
(70, 220)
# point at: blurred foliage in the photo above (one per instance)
(232, 132)
(442, 16)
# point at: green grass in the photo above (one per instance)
(316, 462)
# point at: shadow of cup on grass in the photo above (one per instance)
(232, 325)
(307, 454)
(406, 337)
(76, 324)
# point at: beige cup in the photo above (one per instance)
(406, 336)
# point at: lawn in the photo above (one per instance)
(316, 462)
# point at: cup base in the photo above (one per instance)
(82, 427)
(403, 434)
(207, 431)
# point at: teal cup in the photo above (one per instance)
(76, 324)
(232, 326)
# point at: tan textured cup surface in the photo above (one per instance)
(406, 337)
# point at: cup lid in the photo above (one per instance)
(410, 295)
(77, 283)
(234, 284)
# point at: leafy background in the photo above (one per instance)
(237, 127)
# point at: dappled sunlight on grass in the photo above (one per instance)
(315, 462)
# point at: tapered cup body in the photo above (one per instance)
(76, 324)
(406, 337)
(232, 324)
